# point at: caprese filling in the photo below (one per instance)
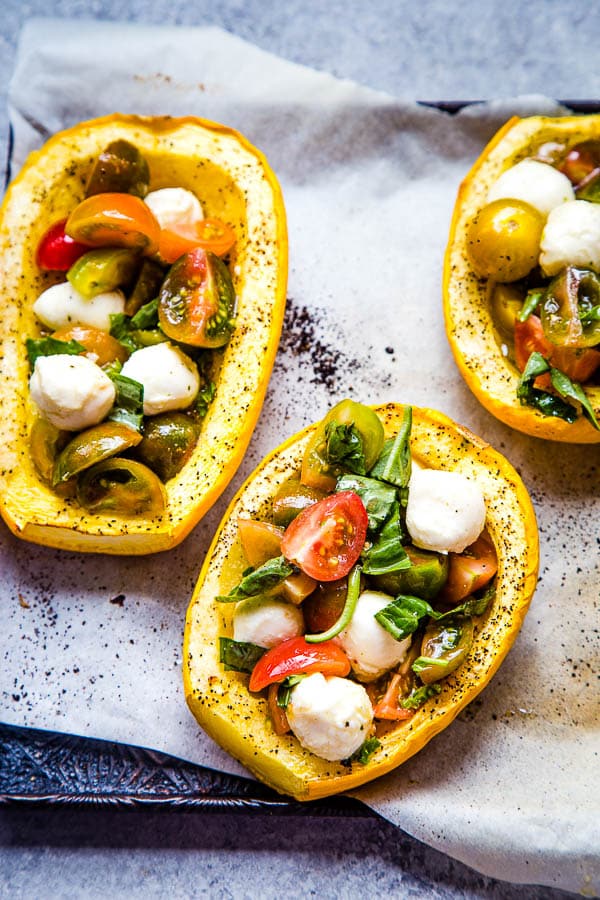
(363, 589)
(537, 242)
(121, 370)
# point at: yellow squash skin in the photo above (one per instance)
(235, 183)
(492, 378)
(238, 721)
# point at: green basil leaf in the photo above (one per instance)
(364, 752)
(387, 553)
(344, 448)
(239, 656)
(146, 317)
(418, 696)
(532, 301)
(394, 463)
(378, 498)
(284, 691)
(204, 398)
(128, 407)
(403, 615)
(49, 346)
(546, 403)
(573, 391)
(259, 581)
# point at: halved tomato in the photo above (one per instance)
(470, 570)
(210, 234)
(114, 220)
(326, 539)
(297, 657)
(100, 346)
(56, 251)
(578, 364)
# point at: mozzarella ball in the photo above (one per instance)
(169, 377)
(331, 717)
(445, 510)
(537, 183)
(571, 237)
(266, 622)
(72, 392)
(370, 648)
(174, 206)
(62, 305)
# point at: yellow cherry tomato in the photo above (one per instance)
(503, 240)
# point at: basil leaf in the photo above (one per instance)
(418, 696)
(378, 498)
(284, 691)
(403, 615)
(572, 390)
(590, 315)
(344, 448)
(128, 407)
(394, 463)
(49, 346)
(259, 581)
(204, 398)
(387, 553)
(146, 317)
(546, 403)
(364, 752)
(472, 606)
(532, 301)
(239, 656)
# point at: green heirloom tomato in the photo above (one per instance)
(91, 446)
(197, 300)
(291, 498)
(45, 442)
(167, 444)
(120, 168)
(443, 649)
(122, 487)
(425, 578)
(570, 298)
(503, 240)
(506, 301)
(319, 468)
(146, 287)
(102, 270)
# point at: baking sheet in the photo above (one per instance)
(92, 645)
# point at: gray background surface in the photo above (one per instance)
(428, 51)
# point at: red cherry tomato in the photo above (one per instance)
(115, 220)
(577, 364)
(210, 234)
(326, 539)
(296, 657)
(56, 252)
(469, 571)
(388, 706)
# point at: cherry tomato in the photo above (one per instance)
(210, 234)
(262, 541)
(100, 346)
(56, 252)
(503, 240)
(317, 472)
(115, 220)
(578, 365)
(326, 539)
(470, 570)
(572, 293)
(297, 657)
(388, 706)
(197, 300)
(581, 161)
(324, 606)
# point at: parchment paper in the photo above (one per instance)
(92, 645)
